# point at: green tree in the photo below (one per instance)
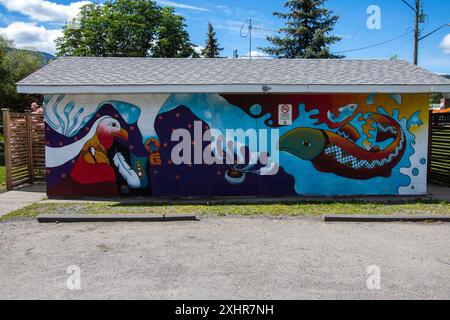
(212, 49)
(125, 28)
(16, 64)
(120, 28)
(173, 40)
(5, 44)
(306, 33)
(84, 35)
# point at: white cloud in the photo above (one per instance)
(30, 35)
(256, 55)
(229, 25)
(225, 9)
(42, 10)
(240, 13)
(445, 44)
(199, 49)
(181, 5)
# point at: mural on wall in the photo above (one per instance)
(170, 145)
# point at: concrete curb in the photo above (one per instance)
(241, 200)
(380, 218)
(76, 218)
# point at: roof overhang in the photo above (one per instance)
(239, 88)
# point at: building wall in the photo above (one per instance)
(178, 145)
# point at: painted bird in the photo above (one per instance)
(93, 165)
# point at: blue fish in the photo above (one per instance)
(345, 113)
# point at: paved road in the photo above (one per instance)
(225, 258)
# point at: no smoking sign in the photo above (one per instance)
(285, 114)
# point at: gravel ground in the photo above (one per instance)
(224, 258)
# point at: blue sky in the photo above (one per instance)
(35, 23)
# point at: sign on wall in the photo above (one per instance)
(285, 114)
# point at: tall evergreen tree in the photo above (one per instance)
(306, 33)
(212, 49)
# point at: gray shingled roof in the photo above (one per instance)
(71, 71)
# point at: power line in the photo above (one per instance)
(343, 51)
(374, 45)
(358, 49)
(266, 29)
(400, 49)
(405, 2)
(434, 31)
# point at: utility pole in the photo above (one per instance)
(419, 17)
(416, 33)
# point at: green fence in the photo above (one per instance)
(439, 167)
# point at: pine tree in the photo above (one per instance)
(212, 49)
(306, 33)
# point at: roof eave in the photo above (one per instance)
(230, 88)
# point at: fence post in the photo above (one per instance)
(7, 141)
(30, 146)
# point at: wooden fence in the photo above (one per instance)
(439, 164)
(24, 135)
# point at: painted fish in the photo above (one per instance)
(345, 113)
(330, 152)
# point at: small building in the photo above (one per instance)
(228, 127)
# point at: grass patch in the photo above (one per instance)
(2, 178)
(278, 209)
